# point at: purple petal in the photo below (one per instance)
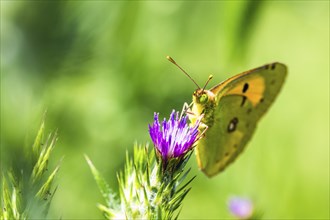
(173, 138)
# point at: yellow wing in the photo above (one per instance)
(239, 103)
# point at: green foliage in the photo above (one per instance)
(147, 188)
(27, 192)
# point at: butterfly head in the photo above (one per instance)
(202, 96)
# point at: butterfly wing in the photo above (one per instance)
(240, 103)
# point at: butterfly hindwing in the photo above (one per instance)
(227, 137)
(239, 103)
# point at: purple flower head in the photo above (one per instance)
(242, 208)
(173, 138)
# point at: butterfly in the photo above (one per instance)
(231, 111)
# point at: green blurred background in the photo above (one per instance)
(99, 69)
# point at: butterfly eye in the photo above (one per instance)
(203, 98)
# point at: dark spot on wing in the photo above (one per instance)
(226, 154)
(249, 110)
(243, 100)
(261, 100)
(232, 125)
(273, 66)
(245, 87)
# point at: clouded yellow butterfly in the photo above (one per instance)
(231, 111)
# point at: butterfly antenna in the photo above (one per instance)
(173, 61)
(207, 82)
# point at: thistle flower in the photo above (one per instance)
(241, 208)
(153, 187)
(173, 138)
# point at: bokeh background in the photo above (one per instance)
(99, 70)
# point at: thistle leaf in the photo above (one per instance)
(41, 165)
(24, 190)
(36, 147)
(106, 191)
(44, 191)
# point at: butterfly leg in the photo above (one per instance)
(203, 128)
(194, 118)
(186, 109)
